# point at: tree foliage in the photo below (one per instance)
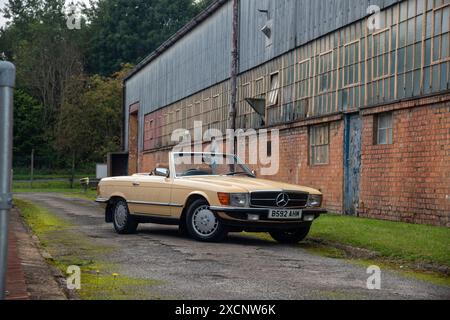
(128, 30)
(89, 124)
(28, 126)
(69, 97)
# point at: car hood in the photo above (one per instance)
(247, 184)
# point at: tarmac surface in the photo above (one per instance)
(241, 268)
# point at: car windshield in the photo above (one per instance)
(202, 164)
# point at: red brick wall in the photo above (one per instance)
(150, 160)
(409, 180)
(294, 166)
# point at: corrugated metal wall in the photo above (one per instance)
(199, 60)
(295, 22)
(202, 58)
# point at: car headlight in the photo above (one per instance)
(314, 200)
(239, 200)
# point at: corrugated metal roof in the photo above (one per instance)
(178, 35)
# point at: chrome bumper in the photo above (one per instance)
(101, 200)
(241, 215)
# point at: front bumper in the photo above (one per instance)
(102, 200)
(238, 217)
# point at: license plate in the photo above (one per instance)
(285, 214)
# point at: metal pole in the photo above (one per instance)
(32, 168)
(7, 81)
(234, 66)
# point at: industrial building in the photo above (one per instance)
(360, 96)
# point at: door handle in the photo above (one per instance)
(136, 184)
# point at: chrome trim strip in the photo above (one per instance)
(161, 204)
(250, 209)
(160, 216)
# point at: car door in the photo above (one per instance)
(151, 196)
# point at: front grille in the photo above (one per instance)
(267, 199)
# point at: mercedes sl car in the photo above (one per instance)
(209, 195)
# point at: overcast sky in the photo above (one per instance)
(2, 3)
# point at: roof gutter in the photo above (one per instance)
(177, 36)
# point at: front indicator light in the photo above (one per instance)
(309, 218)
(224, 198)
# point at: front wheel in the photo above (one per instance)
(124, 223)
(292, 236)
(202, 224)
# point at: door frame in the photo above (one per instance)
(350, 197)
(133, 112)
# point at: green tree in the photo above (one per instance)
(28, 129)
(89, 124)
(126, 31)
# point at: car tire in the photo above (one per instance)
(124, 223)
(202, 224)
(292, 236)
(182, 229)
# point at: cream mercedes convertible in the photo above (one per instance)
(207, 196)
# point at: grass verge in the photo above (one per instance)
(391, 240)
(61, 187)
(99, 278)
(418, 251)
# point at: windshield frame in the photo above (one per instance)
(238, 161)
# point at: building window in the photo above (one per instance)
(319, 144)
(380, 61)
(384, 128)
(274, 89)
(441, 24)
(351, 64)
(325, 72)
(259, 88)
(303, 79)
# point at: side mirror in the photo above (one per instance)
(162, 172)
(255, 173)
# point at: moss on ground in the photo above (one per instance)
(100, 280)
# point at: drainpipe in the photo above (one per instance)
(234, 66)
(7, 81)
(124, 120)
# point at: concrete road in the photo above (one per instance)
(240, 268)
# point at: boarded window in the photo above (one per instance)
(319, 143)
(274, 89)
(384, 131)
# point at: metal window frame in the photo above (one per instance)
(389, 129)
(277, 90)
(388, 51)
(344, 66)
(299, 81)
(331, 70)
(313, 146)
(433, 36)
